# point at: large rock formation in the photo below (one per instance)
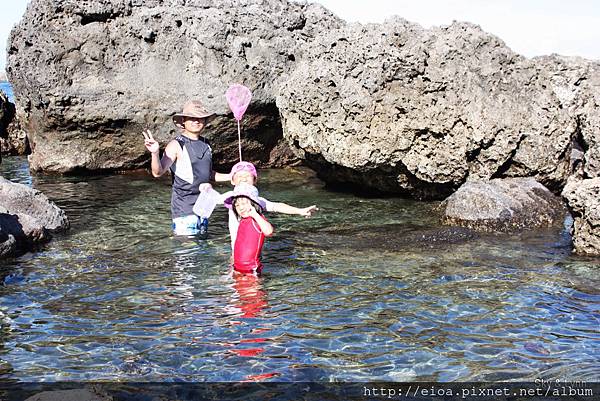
(26, 218)
(510, 204)
(400, 108)
(89, 76)
(583, 199)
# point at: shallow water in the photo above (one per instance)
(118, 298)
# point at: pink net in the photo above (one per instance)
(238, 97)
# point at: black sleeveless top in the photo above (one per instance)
(191, 169)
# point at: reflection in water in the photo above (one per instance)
(345, 295)
(248, 302)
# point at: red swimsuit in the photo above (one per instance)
(248, 245)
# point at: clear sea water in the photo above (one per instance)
(343, 297)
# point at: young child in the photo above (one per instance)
(252, 229)
(245, 173)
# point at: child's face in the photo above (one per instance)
(243, 177)
(243, 206)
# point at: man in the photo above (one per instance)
(189, 157)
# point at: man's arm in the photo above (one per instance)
(160, 166)
(220, 177)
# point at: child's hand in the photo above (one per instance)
(205, 186)
(308, 211)
(253, 213)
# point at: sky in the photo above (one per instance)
(529, 27)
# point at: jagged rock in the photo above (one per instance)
(90, 76)
(13, 139)
(417, 111)
(510, 204)
(26, 218)
(8, 243)
(17, 142)
(576, 83)
(19, 198)
(7, 114)
(583, 200)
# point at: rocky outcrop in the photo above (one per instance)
(583, 200)
(418, 111)
(511, 204)
(7, 114)
(26, 218)
(13, 139)
(90, 76)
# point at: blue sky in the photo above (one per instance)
(529, 27)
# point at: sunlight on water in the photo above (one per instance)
(345, 296)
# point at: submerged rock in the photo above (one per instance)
(583, 199)
(511, 204)
(90, 76)
(389, 238)
(26, 218)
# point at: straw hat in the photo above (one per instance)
(193, 108)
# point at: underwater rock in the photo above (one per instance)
(90, 76)
(26, 217)
(583, 200)
(504, 205)
(84, 394)
(389, 237)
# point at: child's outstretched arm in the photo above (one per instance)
(265, 226)
(281, 207)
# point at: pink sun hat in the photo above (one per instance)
(245, 190)
(244, 166)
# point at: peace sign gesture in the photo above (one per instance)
(150, 142)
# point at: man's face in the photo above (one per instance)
(243, 177)
(193, 124)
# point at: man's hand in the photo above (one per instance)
(308, 211)
(150, 142)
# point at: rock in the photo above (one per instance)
(7, 114)
(17, 142)
(83, 394)
(510, 204)
(90, 76)
(399, 108)
(389, 238)
(8, 243)
(583, 200)
(19, 198)
(13, 139)
(26, 218)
